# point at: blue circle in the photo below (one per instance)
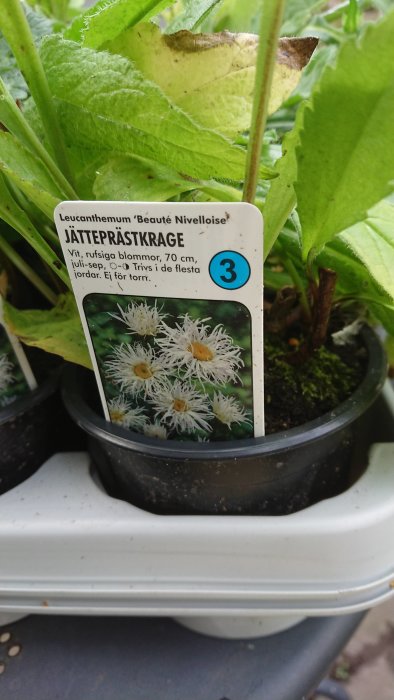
(229, 269)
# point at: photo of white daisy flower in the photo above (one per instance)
(123, 413)
(203, 354)
(182, 407)
(6, 372)
(155, 430)
(179, 369)
(141, 319)
(227, 410)
(136, 369)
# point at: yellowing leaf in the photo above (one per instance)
(211, 76)
(57, 330)
(105, 103)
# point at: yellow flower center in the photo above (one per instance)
(200, 351)
(116, 416)
(142, 370)
(179, 405)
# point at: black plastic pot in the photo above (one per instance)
(273, 475)
(26, 435)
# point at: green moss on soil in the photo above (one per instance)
(295, 394)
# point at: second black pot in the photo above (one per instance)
(273, 475)
(26, 433)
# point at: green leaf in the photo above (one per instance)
(85, 164)
(324, 55)
(115, 108)
(298, 14)
(193, 14)
(220, 70)
(17, 32)
(352, 17)
(372, 241)
(236, 16)
(281, 197)
(9, 71)
(354, 280)
(346, 155)
(16, 217)
(57, 331)
(137, 179)
(28, 173)
(108, 18)
(245, 16)
(62, 10)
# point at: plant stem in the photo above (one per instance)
(19, 127)
(322, 309)
(293, 272)
(16, 30)
(27, 271)
(271, 20)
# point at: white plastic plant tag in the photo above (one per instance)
(16, 376)
(170, 297)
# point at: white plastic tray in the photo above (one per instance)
(67, 547)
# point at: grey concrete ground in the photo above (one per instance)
(367, 664)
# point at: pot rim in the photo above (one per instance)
(345, 413)
(31, 399)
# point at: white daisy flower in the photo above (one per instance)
(141, 319)
(183, 408)
(6, 376)
(136, 369)
(227, 410)
(123, 413)
(155, 430)
(205, 354)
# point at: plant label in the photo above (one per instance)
(170, 297)
(16, 376)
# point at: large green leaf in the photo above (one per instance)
(57, 330)
(28, 173)
(212, 76)
(137, 179)
(372, 241)
(108, 18)
(104, 102)
(193, 13)
(346, 155)
(281, 198)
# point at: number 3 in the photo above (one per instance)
(230, 276)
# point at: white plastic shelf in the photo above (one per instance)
(68, 547)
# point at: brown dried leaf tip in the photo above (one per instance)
(293, 52)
